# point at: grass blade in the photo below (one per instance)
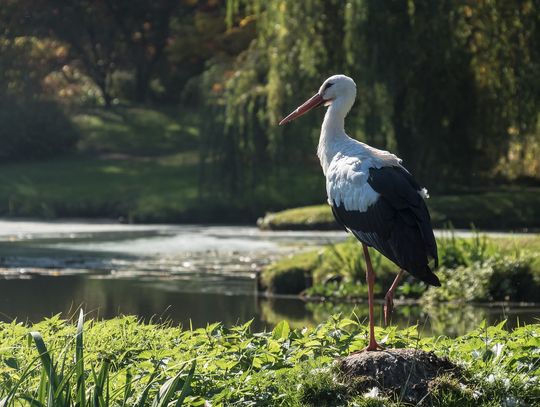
(144, 395)
(166, 392)
(64, 385)
(45, 358)
(100, 381)
(186, 388)
(127, 389)
(48, 367)
(50, 398)
(42, 392)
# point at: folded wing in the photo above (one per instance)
(397, 224)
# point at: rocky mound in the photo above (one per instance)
(405, 374)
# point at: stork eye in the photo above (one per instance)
(327, 86)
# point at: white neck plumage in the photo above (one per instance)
(333, 134)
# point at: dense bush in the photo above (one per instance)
(34, 129)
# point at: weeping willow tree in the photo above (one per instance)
(449, 84)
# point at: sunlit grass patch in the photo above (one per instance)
(136, 130)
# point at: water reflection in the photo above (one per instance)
(43, 296)
(439, 319)
(228, 300)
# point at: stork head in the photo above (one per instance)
(338, 89)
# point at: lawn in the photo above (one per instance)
(138, 131)
(155, 189)
(138, 189)
(141, 165)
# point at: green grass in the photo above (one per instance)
(318, 217)
(122, 362)
(142, 164)
(141, 131)
(507, 208)
(477, 269)
(138, 189)
(79, 186)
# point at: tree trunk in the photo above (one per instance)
(103, 86)
(142, 83)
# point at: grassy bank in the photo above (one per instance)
(141, 165)
(138, 189)
(164, 188)
(505, 208)
(477, 269)
(124, 362)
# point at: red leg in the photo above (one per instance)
(389, 298)
(370, 277)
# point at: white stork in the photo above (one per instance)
(372, 195)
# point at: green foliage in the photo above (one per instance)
(35, 129)
(503, 278)
(123, 362)
(290, 275)
(63, 385)
(399, 53)
(476, 269)
(455, 252)
(461, 284)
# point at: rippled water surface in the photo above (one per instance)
(188, 274)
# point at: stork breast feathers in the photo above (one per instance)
(346, 183)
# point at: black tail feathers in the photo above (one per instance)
(429, 277)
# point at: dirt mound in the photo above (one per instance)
(402, 373)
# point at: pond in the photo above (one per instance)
(189, 274)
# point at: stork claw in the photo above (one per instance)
(373, 346)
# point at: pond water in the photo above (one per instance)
(189, 274)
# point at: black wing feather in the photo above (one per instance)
(397, 225)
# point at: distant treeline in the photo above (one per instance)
(452, 86)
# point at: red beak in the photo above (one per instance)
(314, 101)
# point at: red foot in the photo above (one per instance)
(373, 346)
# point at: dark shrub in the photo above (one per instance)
(34, 129)
(513, 280)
